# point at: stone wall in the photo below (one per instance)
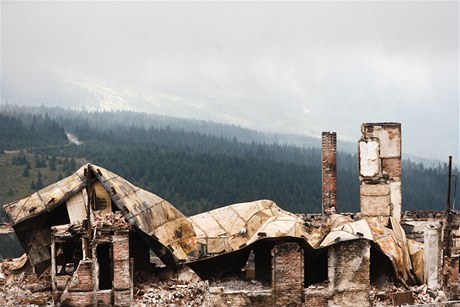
(380, 170)
(348, 273)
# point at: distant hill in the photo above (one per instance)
(28, 131)
(198, 171)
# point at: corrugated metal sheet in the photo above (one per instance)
(347, 232)
(394, 246)
(392, 242)
(163, 226)
(230, 228)
(46, 199)
(225, 231)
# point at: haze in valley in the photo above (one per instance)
(288, 67)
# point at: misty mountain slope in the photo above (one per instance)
(199, 172)
(103, 120)
(28, 131)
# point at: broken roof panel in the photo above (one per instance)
(45, 199)
(176, 238)
(281, 226)
(152, 215)
(347, 232)
(230, 228)
(395, 248)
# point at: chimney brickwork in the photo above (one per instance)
(380, 170)
(329, 173)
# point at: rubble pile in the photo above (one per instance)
(163, 294)
(423, 295)
(112, 219)
(419, 295)
(238, 284)
(165, 288)
(24, 289)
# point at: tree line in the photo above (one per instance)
(198, 172)
(29, 131)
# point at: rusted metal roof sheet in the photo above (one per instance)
(175, 238)
(394, 245)
(232, 227)
(45, 199)
(162, 225)
(392, 241)
(150, 213)
(348, 231)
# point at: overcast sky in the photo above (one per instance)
(299, 67)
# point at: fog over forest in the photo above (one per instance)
(297, 68)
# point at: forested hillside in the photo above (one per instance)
(28, 131)
(198, 172)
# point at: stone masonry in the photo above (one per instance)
(380, 170)
(349, 273)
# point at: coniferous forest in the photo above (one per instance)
(198, 171)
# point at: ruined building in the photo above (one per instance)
(97, 231)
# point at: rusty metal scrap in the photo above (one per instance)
(163, 227)
(229, 228)
(347, 231)
(394, 246)
(175, 238)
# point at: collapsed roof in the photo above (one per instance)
(205, 241)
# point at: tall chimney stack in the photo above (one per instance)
(329, 173)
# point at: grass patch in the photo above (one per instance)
(14, 186)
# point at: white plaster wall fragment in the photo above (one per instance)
(369, 162)
(396, 199)
(431, 243)
(390, 141)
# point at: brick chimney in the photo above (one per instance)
(329, 173)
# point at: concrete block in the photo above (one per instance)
(375, 205)
(369, 162)
(375, 189)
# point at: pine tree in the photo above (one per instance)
(39, 184)
(32, 186)
(53, 163)
(25, 172)
(73, 164)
